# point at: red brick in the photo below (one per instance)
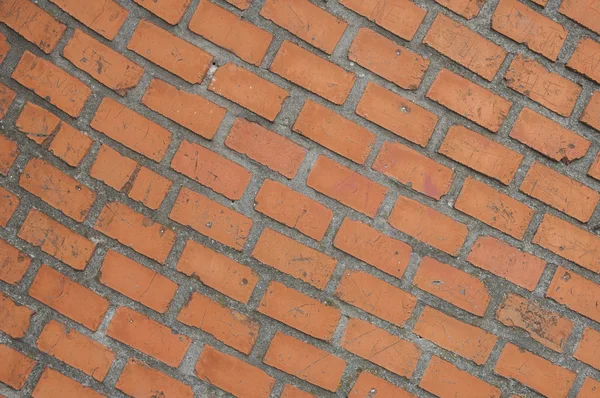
(581, 11)
(481, 154)
(14, 318)
(13, 263)
(367, 384)
(131, 129)
(346, 186)
(54, 384)
(290, 391)
(223, 274)
(112, 168)
(585, 59)
(248, 90)
(594, 170)
(170, 52)
(4, 47)
(9, 151)
(211, 219)
(9, 203)
(140, 380)
(376, 297)
(105, 18)
(462, 45)
(229, 31)
(452, 285)
(520, 23)
(149, 188)
(549, 89)
(37, 123)
(299, 311)
(589, 389)
(293, 258)
(52, 83)
(548, 137)
(465, 8)
(576, 292)
(241, 4)
(381, 347)
(229, 326)
(33, 23)
(14, 367)
(70, 145)
(588, 349)
(169, 10)
(469, 100)
(535, 372)
(591, 113)
(417, 220)
(334, 132)
(232, 374)
(71, 299)
(76, 350)
(7, 96)
(373, 247)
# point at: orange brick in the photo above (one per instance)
(585, 59)
(248, 90)
(14, 367)
(417, 220)
(232, 374)
(520, 23)
(56, 240)
(7, 96)
(581, 11)
(169, 10)
(293, 209)
(576, 292)
(14, 318)
(594, 170)
(373, 247)
(452, 285)
(462, 45)
(224, 275)
(535, 372)
(70, 145)
(589, 389)
(9, 203)
(13, 263)
(75, 349)
(131, 129)
(9, 151)
(290, 391)
(54, 384)
(4, 47)
(465, 8)
(376, 297)
(293, 258)
(71, 299)
(591, 113)
(140, 380)
(346, 186)
(299, 311)
(229, 31)
(114, 169)
(544, 326)
(367, 384)
(33, 23)
(170, 52)
(149, 188)
(266, 147)
(105, 18)
(137, 282)
(334, 132)
(384, 57)
(588, 349)
(229, 326)
(241, 4)
(211, 219)
(469, 100)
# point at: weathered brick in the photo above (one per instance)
(290, 391)
(37, 123)
(140, 380)
(585, 59)
(591, 113)
(13, 263)
(581, 11)
(54, 384)
(9, 150)
(4, 47)
(465, 8)
(70, 145)
(367, 384)
(594, 170)
(589, 389)
(149, 188)
(588, 349)
(241, 4)
(9, 203)
(576, 292)
(169, 10)
(7, 97)
(14, 367)
(112, 168)
(105, 18)
(14, 318)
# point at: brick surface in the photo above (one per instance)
(104, 18)
(15, 367)
(588, 349)
(54, 384)
(465, 8)
(576, 292)
(589, 389)
(590, 115)
(7, 97)
(9, 203)
(367, 384)
(140, 380)
(290, 391)
(169, 10)
(581, 12)
(14, 318)
(9, 150)
(585, 59)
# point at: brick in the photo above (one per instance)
(169, 10)
(211, 170)
(232, 374)
(401, 17)
(14, 318)
(465, 8)
(293, 258)
(265, 147)
(9, 203)
(481, 154)
(224, 275)
(591, 113)
(71, 299)
(7, 97)
(211, 219)
(52, 83)
(170, 52)
(137, 282)
(469, 100)
(594, 170)
(548, 137)
(549, 89)
(75, 349)
(140, 380)
(523, 25)
(105, 18)
(226, 325)
(229, 31)
(334, 132)
(191, 111)
(290, 391)
(9, 150)
(248, 90)
(445, 380)
(376, 297)
(568, 241)
(385, 58)
(149, 188)
(299, 311)
(33, 23)
(589, 389)
(131, 129)
(54, 384)
(13, 263)
(414, 169)
(346, 186)
(585, 59)
(57, 240)
(453, 285)
(381, 347)
(462, 45)
(241, 4)
(415, 219)
(15, 367)
(535, 372)
(70, 145)
(588, 349)
(373, 247)
(112, 168)
(544, 326)
(581, 11)
(367, 384)
(575, 292)
(4, 47)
